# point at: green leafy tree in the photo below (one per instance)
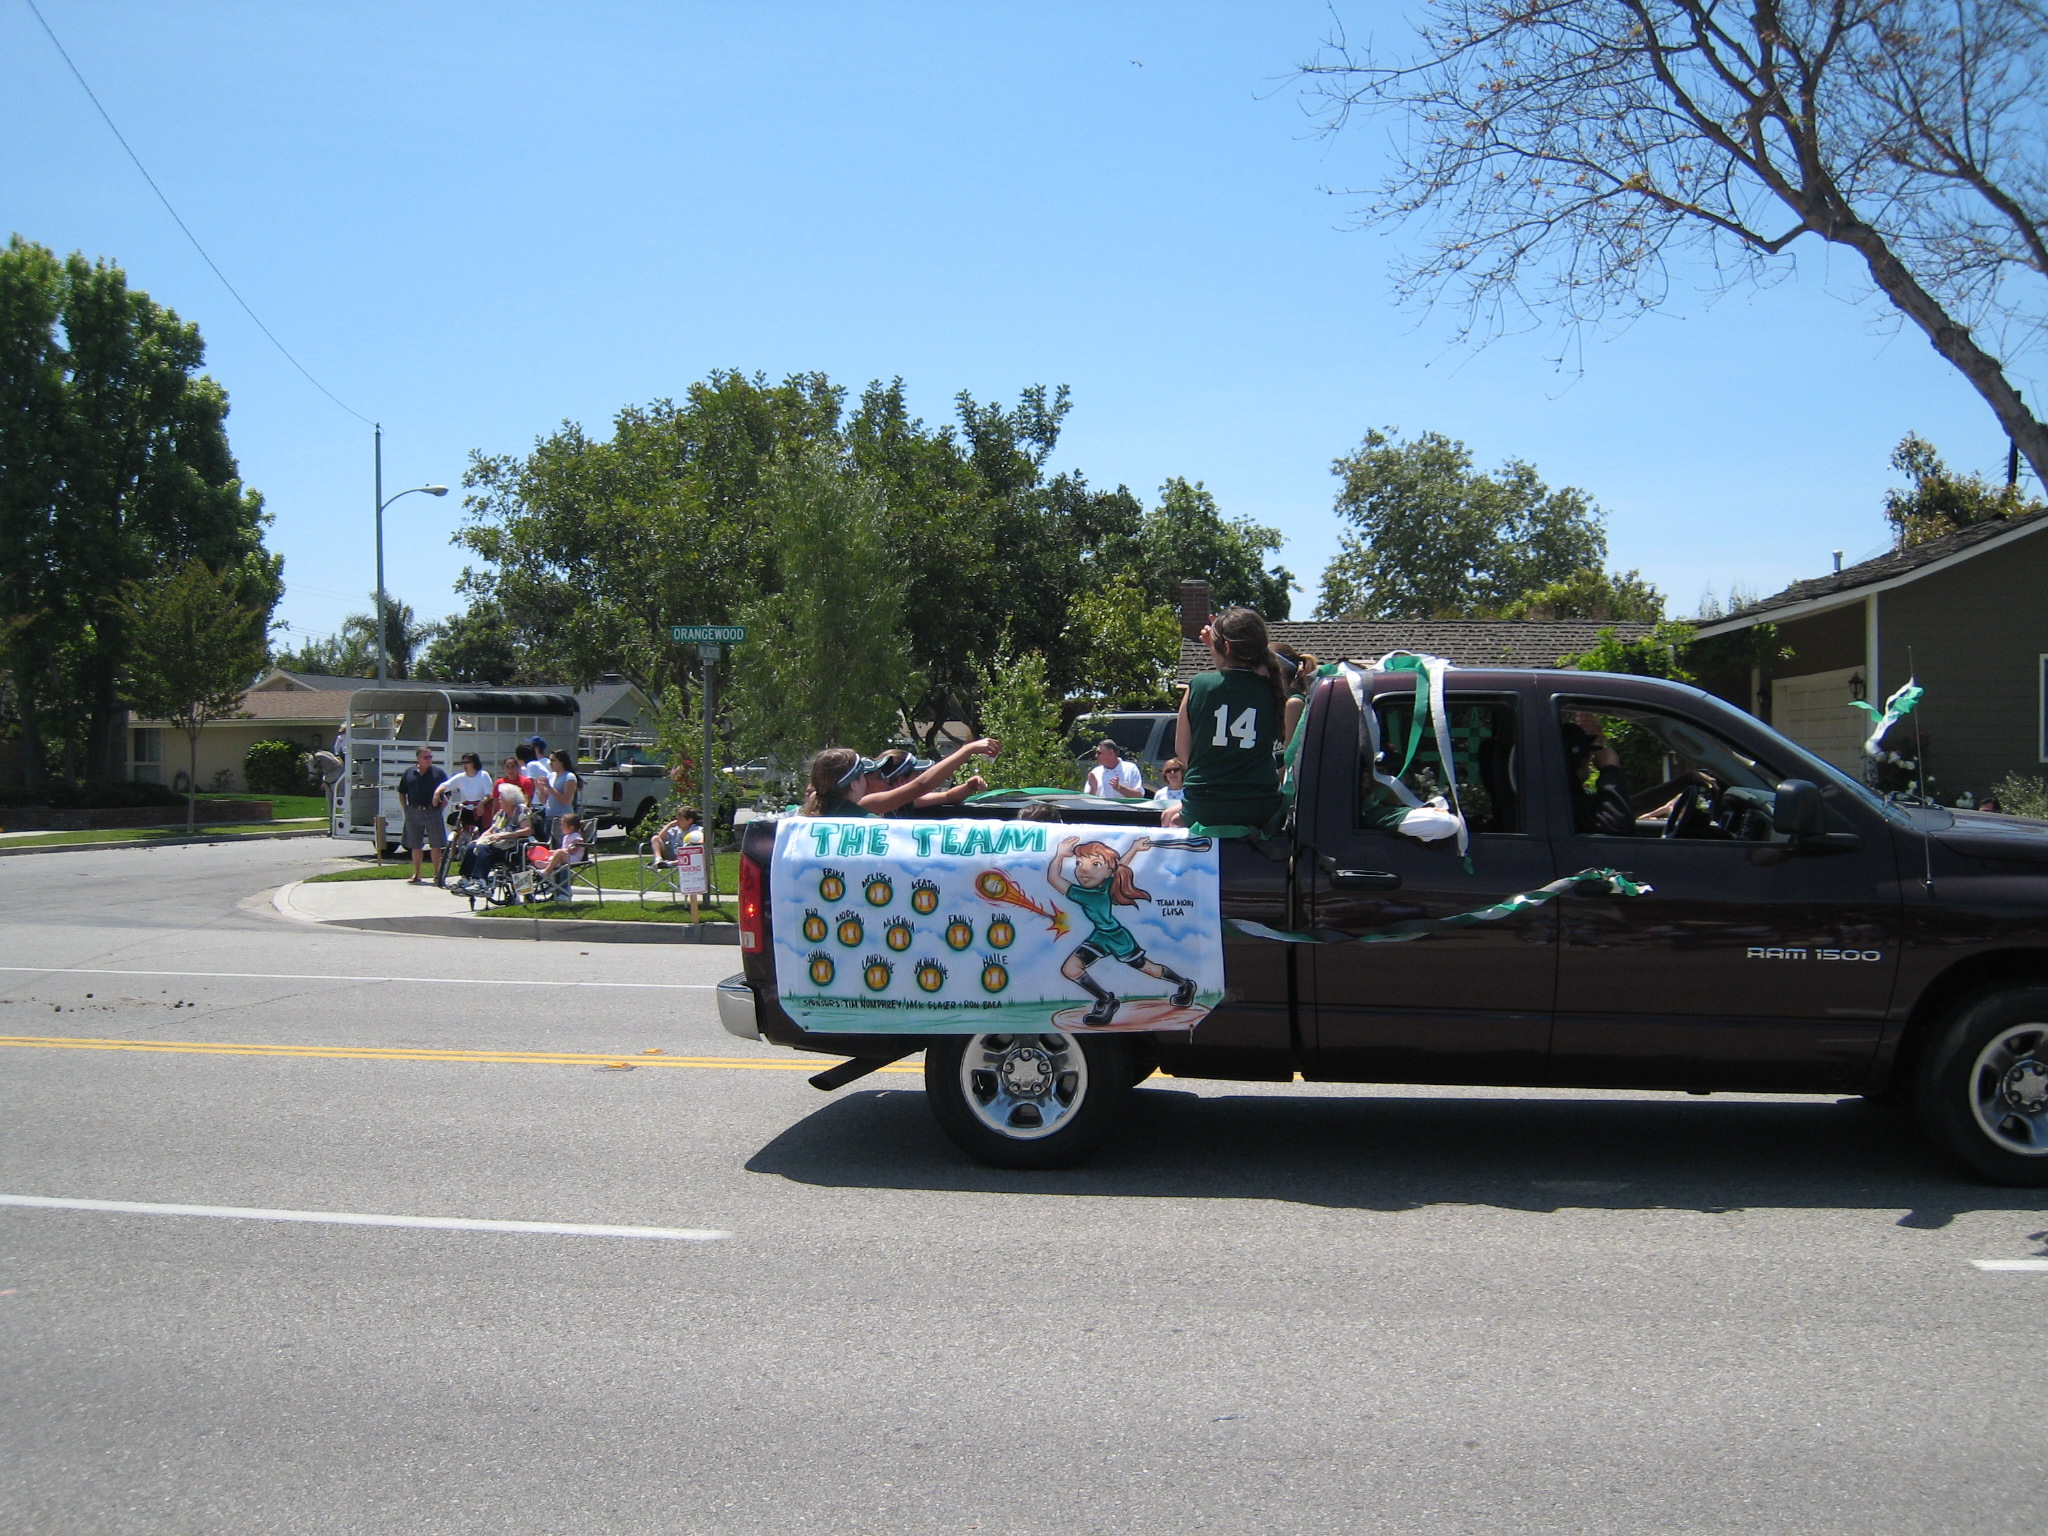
(1660, 653)
(592, 549)
(825, 660)
(329, 656)
(114, 466)
(1186, 537)
(479, 646)
(404, 636)
(1431, 537)
(1127, 645)
(1590, 594)
(1941, 500)
(1022, 711)
(194, 648)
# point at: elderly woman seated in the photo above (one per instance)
(496, 844)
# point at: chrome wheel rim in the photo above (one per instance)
(1023, 1087)
(2009, 1090)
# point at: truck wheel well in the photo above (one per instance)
(1942, 994)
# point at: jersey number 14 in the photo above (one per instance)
(1245, 727)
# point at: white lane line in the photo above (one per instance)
(2035, 1266)
(438, 981)
(359, 1219)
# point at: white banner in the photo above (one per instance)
(997, 927)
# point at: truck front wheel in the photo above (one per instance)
(1983, 1088)
(1027, 1101)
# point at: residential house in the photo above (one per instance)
(1965, 615)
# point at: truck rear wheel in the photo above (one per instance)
(1027, 1101)
(1983, 1085)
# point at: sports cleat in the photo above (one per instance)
(1102, 1012)
(1184, 993)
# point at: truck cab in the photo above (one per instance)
(1800, 933)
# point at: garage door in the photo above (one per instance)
(1814, 711)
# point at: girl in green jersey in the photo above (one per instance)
(1230, 721)
(1101, 883)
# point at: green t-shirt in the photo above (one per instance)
(1233, 723)
(839, 805)
(1099, 907)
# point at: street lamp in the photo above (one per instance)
(383, 630)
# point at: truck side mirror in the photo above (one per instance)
(1797, 809)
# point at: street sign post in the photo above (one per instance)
(710, 639)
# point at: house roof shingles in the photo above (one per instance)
(1465, 642)
(1887, 566)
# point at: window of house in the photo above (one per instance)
(146, 756)
(1484, 751)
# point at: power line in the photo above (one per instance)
(173, 212)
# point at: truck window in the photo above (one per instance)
(1644, 773)
(1483, 751)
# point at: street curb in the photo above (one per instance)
(590, 931)
(566, 929)
(168, 842)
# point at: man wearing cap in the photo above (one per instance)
(1113, 777)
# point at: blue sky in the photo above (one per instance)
(475, 222)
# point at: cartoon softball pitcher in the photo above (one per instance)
(1100, 884)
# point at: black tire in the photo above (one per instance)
(640, 814)
(1078, 1083)
(1982, 1088)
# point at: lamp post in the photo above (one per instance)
(383, 624)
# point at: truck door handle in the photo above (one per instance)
(1365, 880)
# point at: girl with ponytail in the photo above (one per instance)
(1230, 720)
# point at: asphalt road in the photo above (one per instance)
(1305, 1309)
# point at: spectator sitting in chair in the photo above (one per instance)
(682, 830)
(494, 845)
(554, 864)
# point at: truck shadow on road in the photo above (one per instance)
(1387, 1153)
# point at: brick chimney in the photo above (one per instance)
(1194, 607)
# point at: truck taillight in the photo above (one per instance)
(750, 905)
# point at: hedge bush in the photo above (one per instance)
(106, 795)
(272, 768)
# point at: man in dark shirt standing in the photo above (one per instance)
(423, 821)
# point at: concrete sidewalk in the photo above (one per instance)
(393, 906)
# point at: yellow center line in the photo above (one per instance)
(404, 1053)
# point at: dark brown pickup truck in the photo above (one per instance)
(1801, 935)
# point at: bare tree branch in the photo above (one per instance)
(1563, 153)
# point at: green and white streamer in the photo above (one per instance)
(1613, 880)
(1896, 708)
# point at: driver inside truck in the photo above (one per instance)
(1599, 800)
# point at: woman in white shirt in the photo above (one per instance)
(469, 792)
(561, 785)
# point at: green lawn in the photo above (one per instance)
(152, 834)
(283, 807)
